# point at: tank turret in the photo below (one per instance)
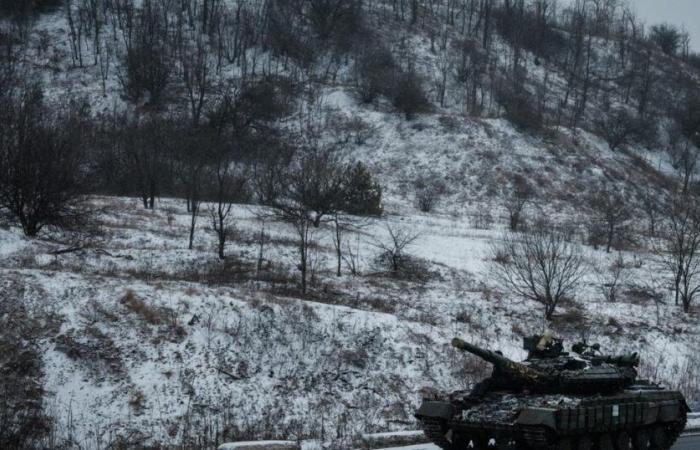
(549, 369)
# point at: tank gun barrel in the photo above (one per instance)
(629, 360)
(501, 363)
(487, 355)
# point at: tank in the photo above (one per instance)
(555, 400)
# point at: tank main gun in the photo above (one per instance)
(502, 365)
(562, 374)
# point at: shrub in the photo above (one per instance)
(42, 175)
(519, 108)
(375, 71)
(429, 191)
(408, 95)
(24, 424)
(543, 267)
(363, 194)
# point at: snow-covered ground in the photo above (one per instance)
(153, 342)
(167, 343)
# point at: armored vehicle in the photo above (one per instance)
(555, 400)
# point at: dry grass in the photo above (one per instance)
(137, 306)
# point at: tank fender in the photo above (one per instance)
(538, 417)
(436, 409)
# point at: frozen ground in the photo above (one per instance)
(154, 343)
(168, 344)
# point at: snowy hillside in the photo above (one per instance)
(155, 343)
(472, 122)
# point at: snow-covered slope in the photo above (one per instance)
(165, 345)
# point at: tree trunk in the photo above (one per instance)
(193, 222)
(222, 238)
(338, 248)
(262, 246)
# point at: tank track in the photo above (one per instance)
(677, 429)
(538, 438)
(533, 437)
(434, 430)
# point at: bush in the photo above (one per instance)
(519, 109)
(667, 37)
(24, 424)
(429, 191)
(543, 267)
(375, 71)
(42, 178)
(363, 194)
(408, 95)
(23, 8)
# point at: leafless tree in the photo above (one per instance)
(611, 278)
(667, 37)
(517, 198)
(393, 250)
(652, 208)
(145, 146)
(146, 65)
(430, 189)
(611, 215)
(542, 266)
(42, 178)
(230, 186)
(196, 73)
(192, 148)
(681, 252)
(617, 128)
(308, 193)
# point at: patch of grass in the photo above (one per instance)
(137, 306)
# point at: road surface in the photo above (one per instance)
(687, 442)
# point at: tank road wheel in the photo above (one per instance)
(640, 440)
(660, 438)
(506, 443)
(481, 443)
(584, 443)
(605, 442)
(437, 431)
(622, 441)
(566, 443)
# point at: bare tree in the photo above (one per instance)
(429, 191)
(651, 206)
(685, 157)
(146, 67)
(191, 158)
(361, 196)
(393, 250)
(542, 266)
(611, 214)
(681, 252)
(517, 198)
(230, 182)
(144, 146)
(196, 73)
(309, 192)
(42, 178)
(667, 37)
(617, 127)
(611, 278)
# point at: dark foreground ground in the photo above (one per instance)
(687, 442)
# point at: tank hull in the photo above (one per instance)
(640, 418)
